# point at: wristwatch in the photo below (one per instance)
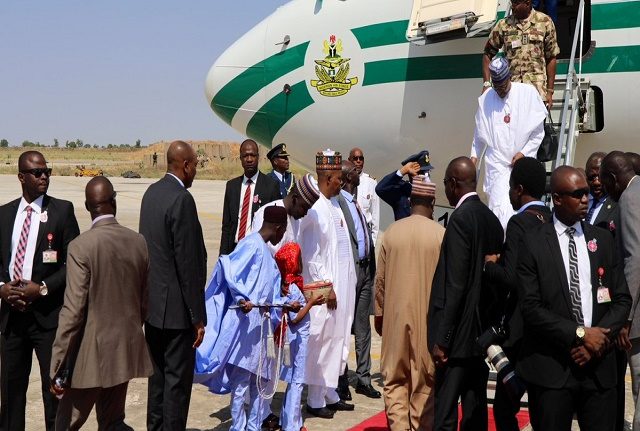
(43, 290)
(580, 335)
(486, 84)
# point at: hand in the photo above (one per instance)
(377, 324)
(622, 341)
(515, 158)
(411, 168)
(595, 339)
(332, 301)
(484, 89)
(440, 356)
(199, 327)
(491, 258)
(6, 291)
(294, 306)
(56, 390)
(474, 160)
(580, 356)
(317, 300)
(245, 306)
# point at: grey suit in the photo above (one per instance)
(629, 242)
(365, 272)
(107, 269)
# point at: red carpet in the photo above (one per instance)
(379, 421)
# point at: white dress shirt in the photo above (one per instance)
(243, 189)
(584, 265)
(464, 198)
(178, 179)
(21, 215)
(369, 203)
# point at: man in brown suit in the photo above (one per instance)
(99, 344)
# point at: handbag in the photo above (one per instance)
(549, 146)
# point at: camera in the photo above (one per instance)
(490, 342)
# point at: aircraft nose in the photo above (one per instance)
(236, 76)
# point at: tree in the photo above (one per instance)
(138, 143)
(4, 143)
(87, 145)
(110, 146)
(28, 144)
(71, 144)
(56, 144)
(79, 143)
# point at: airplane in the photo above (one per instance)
(396, 77)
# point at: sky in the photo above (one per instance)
(114, 71)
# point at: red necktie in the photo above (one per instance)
(22, 246)
(244, 214)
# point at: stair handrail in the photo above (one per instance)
(571, 95)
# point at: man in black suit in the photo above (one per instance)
(176, 315)
(526, 187)
(460, 305)
(574, 300)
(603, 211)
(364, 258)
(243, 196)
(35, 231)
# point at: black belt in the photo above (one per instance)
(363, 262)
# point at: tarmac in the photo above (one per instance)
(207, 411)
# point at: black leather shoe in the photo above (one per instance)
(271, 423)
(344, 394)
(341, 405)
(368, 391)
(322, 412)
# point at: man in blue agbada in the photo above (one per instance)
(227, 361)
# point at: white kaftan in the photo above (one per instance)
(506, 127)
(324, 240)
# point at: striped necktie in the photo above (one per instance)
(594, 205)
(574, 278)
(244, 214)
(22, 245)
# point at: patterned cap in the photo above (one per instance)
(422, 187)
(308, 190)
(328, 160)
(499, 69)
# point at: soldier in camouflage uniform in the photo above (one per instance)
(528, 38)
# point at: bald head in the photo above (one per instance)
(570, 194)
(562, 176)
(28, 156)
(100, 198)
(615, 173)
(634, 158)
(459, 179)
(182, 162)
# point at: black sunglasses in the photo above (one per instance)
(37, 172)
(576, 194)
(360, 158)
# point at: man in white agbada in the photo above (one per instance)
(509, 125)
(298, 202)
(326, 255)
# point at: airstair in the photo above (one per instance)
(575, 110)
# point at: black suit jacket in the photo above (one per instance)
(62, 223)
(463, 303)
(267, 190)
(177, 256)
(503, 273)
(608, 217)
(549, 327)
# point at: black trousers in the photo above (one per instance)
(466, 379)
(22, 336)
(169, 391)
(553, 409)
(621, 362)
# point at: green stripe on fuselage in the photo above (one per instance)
(608, 16)
(604, 60)
(276, 112)
(236, 92)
